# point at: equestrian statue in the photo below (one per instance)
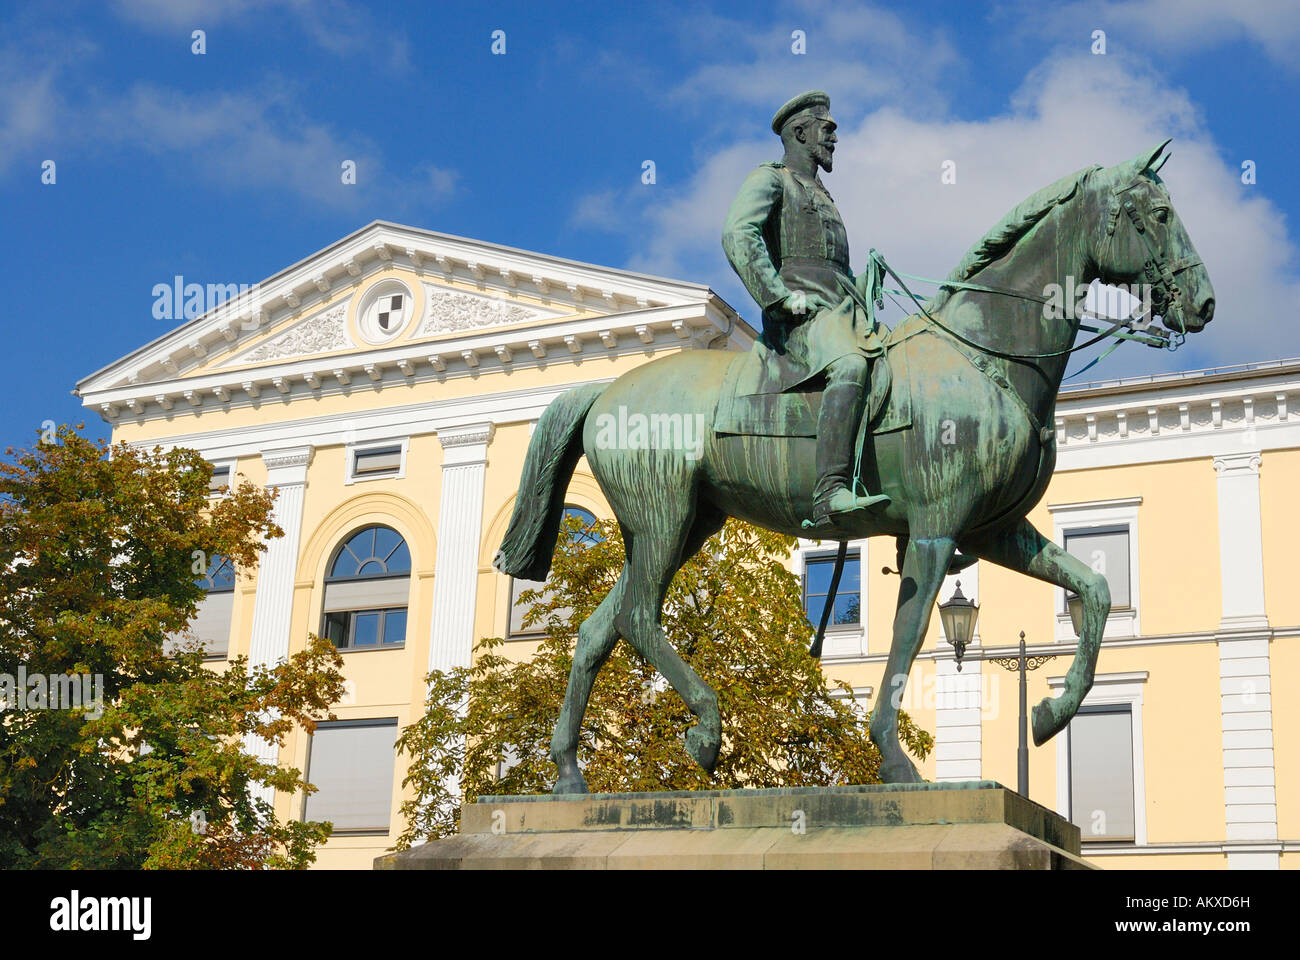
(939, 432)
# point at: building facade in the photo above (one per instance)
(388, 385)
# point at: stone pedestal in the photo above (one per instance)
(930, 826)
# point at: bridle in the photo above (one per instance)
(1158, 270)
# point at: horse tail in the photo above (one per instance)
(553, 453)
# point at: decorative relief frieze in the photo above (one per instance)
(321, 333)
(450, 311)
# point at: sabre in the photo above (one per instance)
(816, 651)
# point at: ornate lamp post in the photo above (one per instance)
(1022, 664)
(958, 616)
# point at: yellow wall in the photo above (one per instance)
(1178, 567)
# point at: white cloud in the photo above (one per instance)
(28, 106)
(602, 210)
(239, 140)
(1182, 26)
(32, 104)
(255, 139)
(864, 49)
(1071, 112)
(337, 26)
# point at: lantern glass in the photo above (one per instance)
(958, 616)
(1074, 603)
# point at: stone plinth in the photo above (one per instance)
(929, 826)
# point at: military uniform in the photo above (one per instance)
(783, 235)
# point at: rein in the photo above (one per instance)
(1113, 330)
(1158, 270)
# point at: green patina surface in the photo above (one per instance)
(961, 467)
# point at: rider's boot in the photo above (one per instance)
(837, 433)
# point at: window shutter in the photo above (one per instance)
(220, 479)
(367, 594)
(1101, 773)
(384, 460)
(1107, 552)
(352, 764)
(212, 624)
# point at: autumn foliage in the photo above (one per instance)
(735, 614)
(99, 549)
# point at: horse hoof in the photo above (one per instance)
(570, 785)
(1047, 720)
(704, 747)
(899, 771)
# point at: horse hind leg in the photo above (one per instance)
(596, 640)
(1022, 548)
(653, 559)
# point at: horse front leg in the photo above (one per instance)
(1022, 548)
(925, 562)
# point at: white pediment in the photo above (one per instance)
(305, 328)
(445, 312)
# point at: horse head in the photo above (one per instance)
(1146, 244)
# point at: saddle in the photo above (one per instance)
(744, 411)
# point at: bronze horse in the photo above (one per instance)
(985, 362)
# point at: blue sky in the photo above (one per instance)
(224, 167)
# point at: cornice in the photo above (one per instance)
(442, 416)
(307, 285)
(1224, 419)
(495, 350)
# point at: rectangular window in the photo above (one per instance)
(220, 480)
(517, 609)
(377, 461)
(211, 625)
(356, 629)
(1106, 551)
(1101, 772)
(817, 584)
(351, 763)
(366, 612)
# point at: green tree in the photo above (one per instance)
(99, 550)
(735, 614)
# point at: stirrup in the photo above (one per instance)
(841, 504)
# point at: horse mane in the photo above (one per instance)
(1006, 233)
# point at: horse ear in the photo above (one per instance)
(1142, 162)
(1160, 163)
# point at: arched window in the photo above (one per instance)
(220, 575)
(586, 537)
(367, 590)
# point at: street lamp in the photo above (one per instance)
(958, 616)
(1022, 664)
(1074, 603)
